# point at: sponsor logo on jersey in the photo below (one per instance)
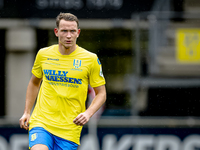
(60, 76)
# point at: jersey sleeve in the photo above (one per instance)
(37, 69)
(96, 74)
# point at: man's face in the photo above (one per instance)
(67, 33)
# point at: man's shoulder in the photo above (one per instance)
(46, 49)
(87, 52)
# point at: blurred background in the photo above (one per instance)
(150, 54)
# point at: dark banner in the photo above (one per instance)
(82, 8)
(14, 138)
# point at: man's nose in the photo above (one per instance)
(68, 34)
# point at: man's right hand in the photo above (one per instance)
(24, 121)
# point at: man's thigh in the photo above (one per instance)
(39, 147)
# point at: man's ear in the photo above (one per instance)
(56, 31)
(79, 31)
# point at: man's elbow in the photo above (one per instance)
(104, 97)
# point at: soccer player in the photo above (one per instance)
(61, 74)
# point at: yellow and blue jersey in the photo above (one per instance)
(64, 88)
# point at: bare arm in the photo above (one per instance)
(31, 94)
(97, 102)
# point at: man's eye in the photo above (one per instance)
(63, 30)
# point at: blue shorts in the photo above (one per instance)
(39, 135)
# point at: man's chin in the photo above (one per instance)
(67, 46)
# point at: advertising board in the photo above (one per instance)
(116, 138)
(82, 8)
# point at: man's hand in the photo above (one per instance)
(81, 119)
(24, 121)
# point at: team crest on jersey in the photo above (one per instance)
(77, 63)
(33, 136)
